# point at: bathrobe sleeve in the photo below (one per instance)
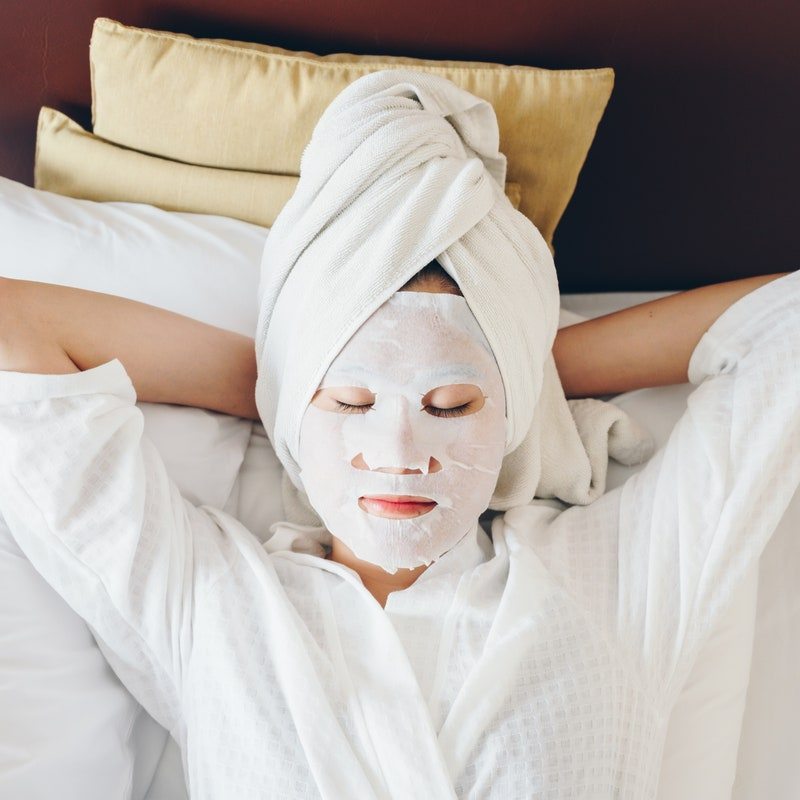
(658, 558)
(87, 498)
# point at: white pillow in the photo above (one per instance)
(66, 719)
(199, 265)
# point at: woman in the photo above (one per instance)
(193, 655)
(350, 661)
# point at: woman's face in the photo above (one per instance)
(401, 445)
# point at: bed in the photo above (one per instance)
(70, 130)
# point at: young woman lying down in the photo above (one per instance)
(381, 643)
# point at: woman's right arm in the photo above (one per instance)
(667, 550)
(649, 344)
(170, 358)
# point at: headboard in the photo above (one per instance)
(692, 175)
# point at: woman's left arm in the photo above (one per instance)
(649, 344)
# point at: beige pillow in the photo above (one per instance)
(243, 106)
(74, 162)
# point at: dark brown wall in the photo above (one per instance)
(692, 177)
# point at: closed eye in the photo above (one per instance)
(437, 412)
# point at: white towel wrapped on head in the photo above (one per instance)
(403, 167)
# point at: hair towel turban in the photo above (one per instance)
(403, 167)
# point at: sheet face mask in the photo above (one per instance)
(414, 343)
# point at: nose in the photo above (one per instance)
(434, 465)
(391, 443)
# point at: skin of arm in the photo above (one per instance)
(170, 358)
(649, 344)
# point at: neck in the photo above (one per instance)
(379, 583)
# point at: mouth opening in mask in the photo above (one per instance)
(396, 506)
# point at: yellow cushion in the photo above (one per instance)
(251, 107)
(74, 162)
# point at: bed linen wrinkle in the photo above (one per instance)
(603, 606)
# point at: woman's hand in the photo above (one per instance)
(646, 345)
(170, 358)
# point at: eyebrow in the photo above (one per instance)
(448, 373)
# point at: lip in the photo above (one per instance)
(396, 505)
(398, 498)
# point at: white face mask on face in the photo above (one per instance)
(397, 445)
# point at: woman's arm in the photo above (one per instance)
(649, 344)
(170, 358)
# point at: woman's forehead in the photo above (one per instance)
(443, 373)
(415, 370)
(416, 342)
(432, 322)
(423, 340)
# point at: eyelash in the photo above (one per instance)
(443, 412)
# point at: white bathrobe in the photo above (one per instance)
(542, 662)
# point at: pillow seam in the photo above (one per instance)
(595, 73)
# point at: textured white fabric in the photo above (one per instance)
(542, 662)
(401, 168)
